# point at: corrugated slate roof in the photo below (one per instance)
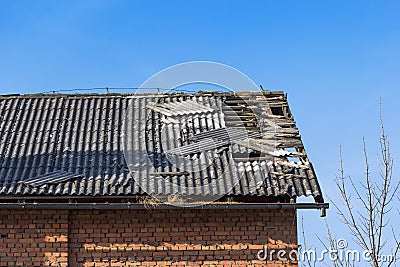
(72, 145)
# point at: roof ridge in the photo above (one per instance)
(103, 95)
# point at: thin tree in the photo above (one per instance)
(367, 215)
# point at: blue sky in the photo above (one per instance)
(335, 59)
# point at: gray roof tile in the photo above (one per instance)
(72, 145)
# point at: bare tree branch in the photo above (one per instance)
(367, 215)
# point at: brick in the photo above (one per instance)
(143, 238)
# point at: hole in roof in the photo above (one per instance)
(277, 111)
(293, 159)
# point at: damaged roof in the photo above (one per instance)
(91, 145)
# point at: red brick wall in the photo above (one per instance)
(144, 237)
(33, 238)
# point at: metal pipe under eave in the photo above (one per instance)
(103, 206)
